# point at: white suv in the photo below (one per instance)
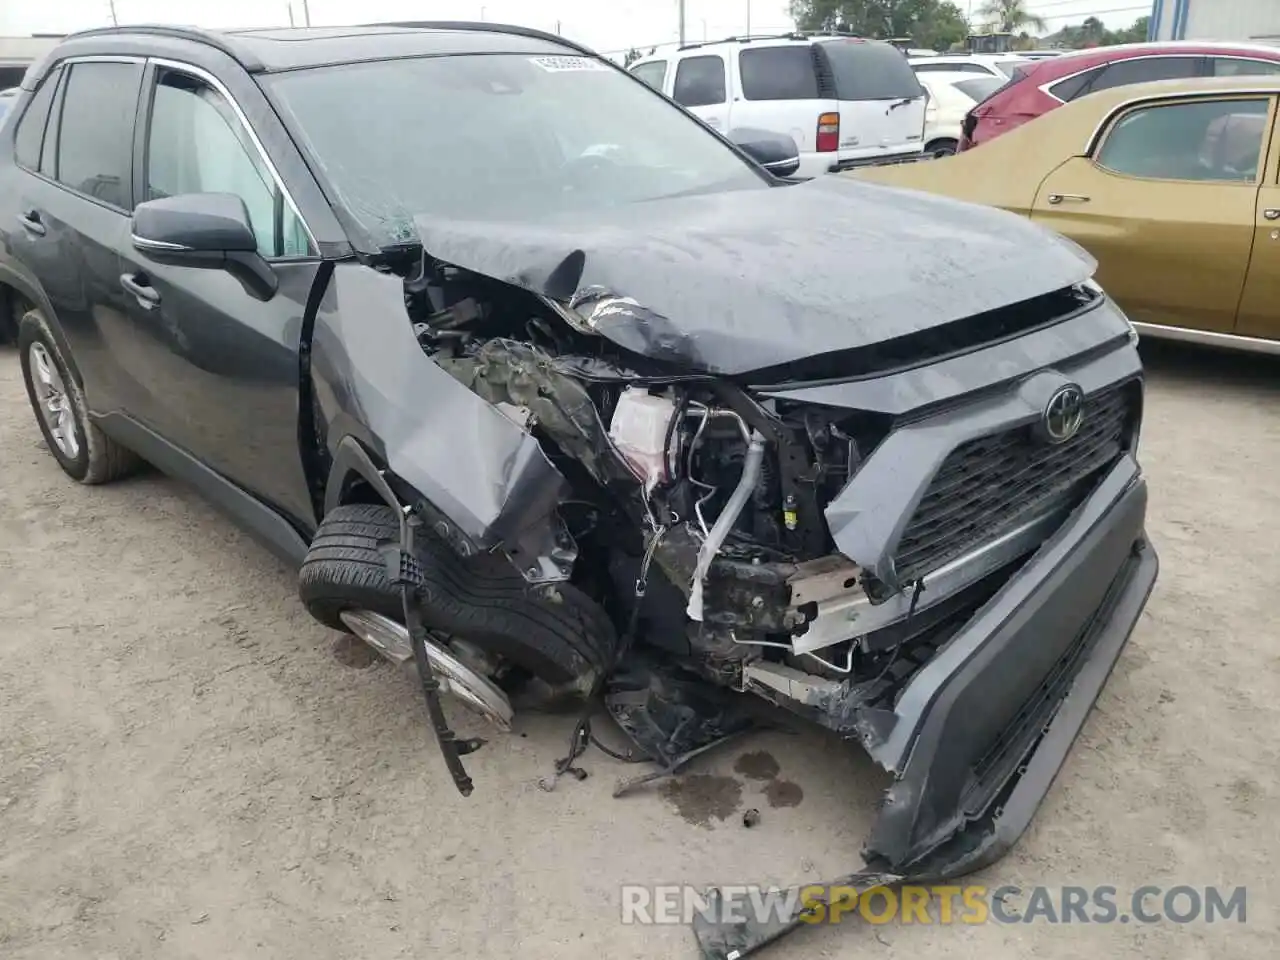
(845, 101)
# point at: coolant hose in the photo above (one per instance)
(724, 523)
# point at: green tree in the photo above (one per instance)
(1010, 15)
(929, 23)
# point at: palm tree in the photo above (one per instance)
(1011, 15)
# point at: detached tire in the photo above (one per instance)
(84, 452)
(557, 633)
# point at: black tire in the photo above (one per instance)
(943, 147)
(95, 457)
(558, 634)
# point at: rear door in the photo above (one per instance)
(881, 103)
(778, 90)
(700, 83)
(1167, 205)
(73, 192)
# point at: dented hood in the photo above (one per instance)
(742, 280)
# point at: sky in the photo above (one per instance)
(607, 25)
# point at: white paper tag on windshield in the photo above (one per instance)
(566, 64)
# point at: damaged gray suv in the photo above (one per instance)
(557, 393)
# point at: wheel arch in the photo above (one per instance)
(18, 294)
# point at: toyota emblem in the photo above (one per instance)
(1063, 414)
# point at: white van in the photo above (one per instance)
(845, 101)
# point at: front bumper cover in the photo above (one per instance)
(978, 735)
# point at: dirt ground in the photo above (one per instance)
(191, 768)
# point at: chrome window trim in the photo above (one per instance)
(1243, 93)
(70, 61)
(219, 87)
(1044, 87)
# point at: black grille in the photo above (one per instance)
(989, 485)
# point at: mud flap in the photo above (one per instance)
(978, 736)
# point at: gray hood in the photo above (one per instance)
(743, 280)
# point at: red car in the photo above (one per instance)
(1040, 87)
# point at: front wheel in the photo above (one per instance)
(557, 634)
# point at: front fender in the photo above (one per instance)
(463, 462)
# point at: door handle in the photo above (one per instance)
(31, 222)
(1057, 198)
(1272, 214)
(146, 294)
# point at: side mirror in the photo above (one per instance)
(208, 230)
(776, 152)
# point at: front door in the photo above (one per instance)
(1166, 203)
(222, 365)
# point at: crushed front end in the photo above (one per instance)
(929, 540)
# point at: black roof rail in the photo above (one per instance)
(486, 26)
(745, 38)
(196, 34)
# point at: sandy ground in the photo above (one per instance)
(190, 767)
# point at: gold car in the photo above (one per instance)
(1172, 186)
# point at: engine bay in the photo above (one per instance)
(721, 492)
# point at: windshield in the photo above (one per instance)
(867, 70)
(497, 136)
(1010, 68)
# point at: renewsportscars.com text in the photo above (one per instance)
(968, 904)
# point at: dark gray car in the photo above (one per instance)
(556, 392)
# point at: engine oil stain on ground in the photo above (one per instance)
(757, 765)
(783, 793)
(701, 797)
(353, 652)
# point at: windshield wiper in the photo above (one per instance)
(903, 102)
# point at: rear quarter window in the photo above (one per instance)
(779, 73)
(30, 133)
(869, 70)
(652, 73)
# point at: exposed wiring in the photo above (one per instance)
(582, 735)
(917, 589)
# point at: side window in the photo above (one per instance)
(651, 73)
(29, 137)
(779, 73)
(1073, 87)
(1216, 141)
(95, 130)
(700, 82)
(1121, 73)
(197, 144)
(1232, 67)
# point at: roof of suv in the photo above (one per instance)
(293, 48)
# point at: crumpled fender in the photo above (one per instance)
(476, 468)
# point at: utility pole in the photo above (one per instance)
(681, 7)
(112, 5)
(748, 18)
(289, 6)
(557, 28)
(306, 13)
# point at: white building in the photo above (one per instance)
(17, 53)
(1215, 20)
